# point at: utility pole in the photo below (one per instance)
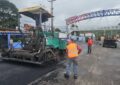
(52, 19)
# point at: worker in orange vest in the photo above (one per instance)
(73, 50)
(90, 43)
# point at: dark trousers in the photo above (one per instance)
(89, 49)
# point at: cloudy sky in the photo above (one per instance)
(67, 8)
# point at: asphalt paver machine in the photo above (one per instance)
(41, 46)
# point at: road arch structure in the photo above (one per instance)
(100, 13)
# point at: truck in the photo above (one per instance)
(109, 42)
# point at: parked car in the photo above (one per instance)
(118, 43)
(110, 43)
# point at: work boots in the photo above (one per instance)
(75, 77)
(66, 76)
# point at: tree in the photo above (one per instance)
(8, 15)
(57, 30)
(74, 27)
(119, 24)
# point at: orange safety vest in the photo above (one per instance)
(72, 50)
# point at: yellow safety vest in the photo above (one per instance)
(72, 50)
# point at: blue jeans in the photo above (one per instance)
(70, 62)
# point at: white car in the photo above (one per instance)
(118, 43)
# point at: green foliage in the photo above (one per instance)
(73, 25)
(8, 15)
(57, 30)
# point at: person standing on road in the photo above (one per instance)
(11, 44)
(73, 50)
(89, 43)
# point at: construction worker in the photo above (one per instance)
(73, 50)
(89, 43)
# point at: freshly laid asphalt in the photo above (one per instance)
(14, 73)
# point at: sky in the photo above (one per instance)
(66, 8)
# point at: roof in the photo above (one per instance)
(34, 11)
(12, 33)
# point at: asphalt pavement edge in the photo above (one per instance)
(35, 82)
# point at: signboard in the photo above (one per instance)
(62, 35)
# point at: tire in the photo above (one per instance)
(115, 46)
(103, 45)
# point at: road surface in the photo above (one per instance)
(13, 73)
(102, 67)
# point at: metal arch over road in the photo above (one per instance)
(101, 13)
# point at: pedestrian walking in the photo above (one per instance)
(89, 43)
(11, 44)
(73, 50)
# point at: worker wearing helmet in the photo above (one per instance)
(73, 51)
